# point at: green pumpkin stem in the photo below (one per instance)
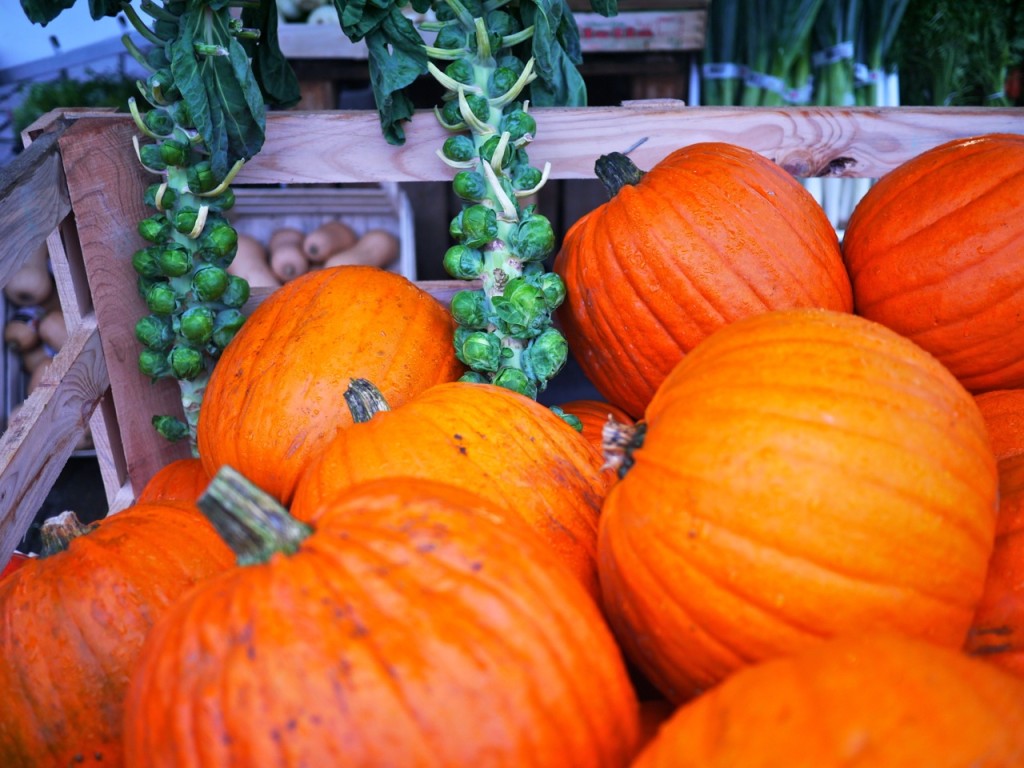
(252, 522)
(615, 171)
(59, 531)
(364, 400)
(618, 442)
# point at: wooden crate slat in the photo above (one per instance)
(43, 434)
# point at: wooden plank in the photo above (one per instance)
(107, 183)
(43, 434)
(33, 202)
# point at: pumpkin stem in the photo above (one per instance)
(364, 400)
(615, 171)
(57, 532)
(618, 441)
(252, 522)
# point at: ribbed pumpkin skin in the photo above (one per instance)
(878, 701)
(805, 473)
(711, 234)
(594, 415)
(73, 624)
(415, 627)
(935, 251)
(181, 480)
(275, 396)
(1003, 411)
(997, 633)
(483, 438)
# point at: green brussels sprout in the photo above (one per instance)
(570, 419)
(455, 226)
(526, 177)
(200, 177)
(149, 154)
(459, 148)
(443, 12)
(167, 198)
(520, 309)
(533, 238)
(463, 263)
(170, 427)
(159, 121)
(518, 124)
(162, 82)
(461, 71)
(480, 350)
(553, 289)
(470, 186)
(489, 147)
(154, 332)
(451, 37)
(146, 263)
(186, 363)
(209, 283)
(226, 326)
(219, 237)
(479, 226)
(503, 23)
(469, 308)
(175, 260)
(225, 201)
(546, 355)
(185, 219)
(479, 106)
(501, 81)
(236, 293)
(196, 324)
(153, 364)
(175, 152)
(509, 61)
(155, 229)
(161, 299)
(472, 377)
(517, 381)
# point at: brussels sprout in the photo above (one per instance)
(175, 153)
(508, 61)
(451, 37)
(461, 71)
(196, 324)
(186, 363)
(463, 263)
(520, 309)
(502, 23)
(154, 332)
(450, 112)
(470, 186)
(170, 427)
(225, 201)
(472, 377)
(175, 260)
(570, 419)
(167, 196)
(161, 84)
(469, 308)
(145, 261)
(159, 121)
(455, 226)
(161, 299)
(489, 147)
(479, 106)
(553, 289)
(185, 219)
(546, 355)
(481, 351)
(153, 363)
(517, 381)
(150, 156)
(220, 237)
(526, 177)
(155, 229)
(533, 239)
(209, 283)
(459, 148)
(200, 177)
(479, 226)
(501, 81)
(518, 124)
(226, 326)
(236, 293)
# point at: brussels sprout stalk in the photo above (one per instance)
(505, 333)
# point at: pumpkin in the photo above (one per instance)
(416, 625)
(180, 480)
(997, 632)
(803, 473)
(1003, 411)
(18, 559)
(594, 415)
(711, 234)
(885, 701)
(485, 438)
(935, 251)
(274, 398)
(74, 621)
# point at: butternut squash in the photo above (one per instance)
(52, 330)
(31, 284)
(251, 263)
(288, 261)
(376, 248)
(283, 235)
(328, 239)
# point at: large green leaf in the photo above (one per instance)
(556, 52)
(273, 73)
(44, 11)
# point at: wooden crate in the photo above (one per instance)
(79, 187)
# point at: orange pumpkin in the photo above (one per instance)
(803, 474)
(1003, 411)
(711, 234)
(934, 252)
(594, 415)
(483, 438)
(998, 629)
(883, 701)
(415, 626)
(274, 398)
(181, 480)
(74, 621)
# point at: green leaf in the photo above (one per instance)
(44, 11)
(556, 52)
(273, 72)
(605, 7)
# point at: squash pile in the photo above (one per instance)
(789, 534)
